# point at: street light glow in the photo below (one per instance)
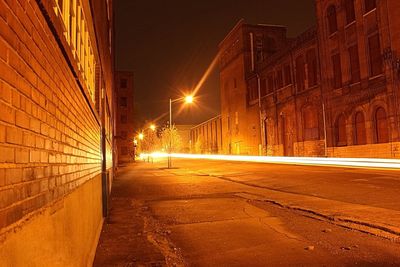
(141, 136)
(189, 99)
(152, 127)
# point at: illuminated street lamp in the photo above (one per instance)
(188, 99)
(152, 127)
(140, 136)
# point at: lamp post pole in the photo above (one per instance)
(170, 134)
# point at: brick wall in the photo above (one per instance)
(49, 134)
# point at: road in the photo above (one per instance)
(220, 213)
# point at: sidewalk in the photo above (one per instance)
(122, 241)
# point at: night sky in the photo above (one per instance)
(169, 45)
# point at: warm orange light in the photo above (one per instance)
(334, 162)
(141, 136)
(189, 99)
(152, 127)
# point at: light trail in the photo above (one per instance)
(334, 162)
(206, 74)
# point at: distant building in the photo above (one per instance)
(206, 138)
(56, 129)
(125, 117)
(331, 91)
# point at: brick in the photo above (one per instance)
(5, 92)
(39, 142)
(33, 188)
(13, 176)
(7, 197)
(7, 113)
(16, 99)
(22, 119)
(2, 133)
(44, 157)
(27, 174)
(13, 135)
(28, 139)
(35, 125)
(34, 156)
(7, 154)
(21, 155)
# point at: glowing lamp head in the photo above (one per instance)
(141, 136)
(189, 99)
(152, 127)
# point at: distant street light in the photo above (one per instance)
(152, 127)
(141, 136)
(187, 99)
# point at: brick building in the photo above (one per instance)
(206, 138)
(331, 91)
(124, 118)
(56, 129)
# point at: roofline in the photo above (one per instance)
(237, 25)
(204, 122)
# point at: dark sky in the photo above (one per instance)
(169, 45)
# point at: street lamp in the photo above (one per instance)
(140, 136)
(187, 99)
(152, 127)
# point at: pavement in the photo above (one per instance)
(209, 213)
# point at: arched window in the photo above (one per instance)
(359, 129)
(350, 13)
(381, 126)
(310, 123)
(340, 131)
(332, 19)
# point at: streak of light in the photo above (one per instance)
(335, 162)
(206, 74)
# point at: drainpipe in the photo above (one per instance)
(261, 145)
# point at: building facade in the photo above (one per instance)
(331, 91)
(124, 117)
(56, 129)
(206, 137)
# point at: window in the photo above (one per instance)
(311, 67)
(369, 5)
(337, 71)
(270, 84)
(288, 75)
(259, 49)
(350, 13)
(123, 102)
(270, 45)
(310, 123)
(279, 79)
(300, 73)
(381, 126)
(375, 58)
(123, 83)
(359, 129)
(332, 20)
(354, 64)
(340, 131)
(123, 119)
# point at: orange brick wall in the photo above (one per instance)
(49, 134)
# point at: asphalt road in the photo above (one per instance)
(213, 213)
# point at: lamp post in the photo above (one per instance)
(187, 99)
